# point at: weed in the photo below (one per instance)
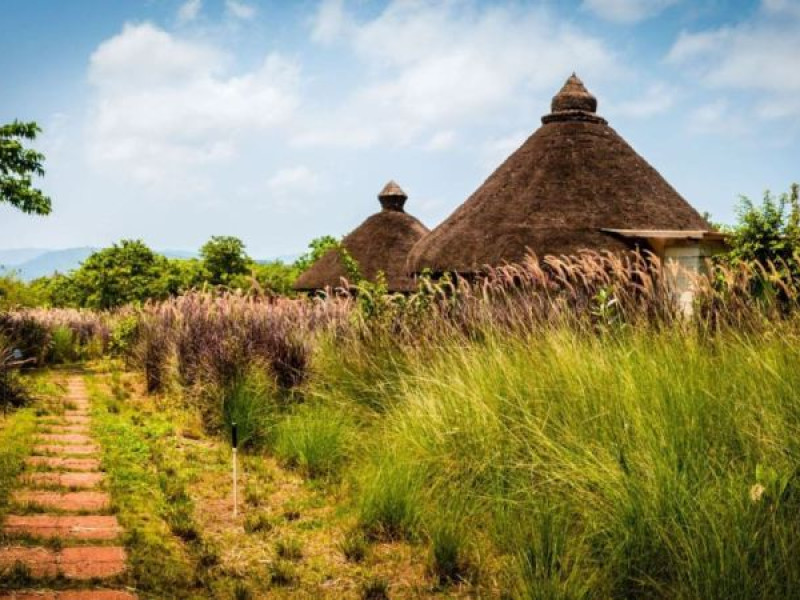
(242, 592)
(258, 522)
(376, 588)
(282, 573)
(354, 546)
(289, 548)
(448, 558)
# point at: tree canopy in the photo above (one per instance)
(128, 272)
(18, 165)
(224, 258)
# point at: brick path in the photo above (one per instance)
(62, 500)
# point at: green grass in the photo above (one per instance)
(16, 438)
(314, 439)
(159, 562)
(598, 467)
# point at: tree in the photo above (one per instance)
(224, 258)
(124, 273)
(769, 232)
(17, 166)
(317, 248)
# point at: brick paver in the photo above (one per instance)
(65, 527)
(75, 439)
(92, 562)
(83, 562)
(70, 501)
(58, 463)
(43, 449)
(66, 480)
(65, 428)
(40, 562)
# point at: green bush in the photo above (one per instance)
(63, 346)
(123, 335)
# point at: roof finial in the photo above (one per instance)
(392, 197)
(574, 96)
(573, 102)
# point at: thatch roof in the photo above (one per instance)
(572, 178)
(381, 243)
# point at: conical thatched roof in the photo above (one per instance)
(572, 178)
(381, 243)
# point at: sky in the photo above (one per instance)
(174, 120)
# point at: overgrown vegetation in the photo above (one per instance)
(559, 429)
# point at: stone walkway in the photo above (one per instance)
(59, 526)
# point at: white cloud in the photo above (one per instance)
(657, 99)
(189, 10)
(441, 140)
(627, 11)
(782, 7)
(431, 66)
(163, 103)
(717, 118)
(330, 22)
(240, 10)
(293, 189)
(299, 179)
(759, 56)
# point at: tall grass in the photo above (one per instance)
(604, 467)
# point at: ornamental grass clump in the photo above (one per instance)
(216, 337)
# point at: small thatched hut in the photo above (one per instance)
(575, 184)
(379, 244)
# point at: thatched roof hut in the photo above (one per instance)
(571, 186)
(381, 243)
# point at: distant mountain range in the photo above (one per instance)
(30, 263)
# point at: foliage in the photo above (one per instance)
(17, 166)
(12, 393)
(317, 248)
(224, 258)
(15, 293)
(125, 273)
(274, 278)
(63, 347)
(769, 232)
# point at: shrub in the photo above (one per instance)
(12, 393)
(123, 335)
(25, 334)
(62, 346)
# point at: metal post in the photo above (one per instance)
(235, 440)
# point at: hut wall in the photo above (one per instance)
(686, 260)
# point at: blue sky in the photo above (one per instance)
(175, 120)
